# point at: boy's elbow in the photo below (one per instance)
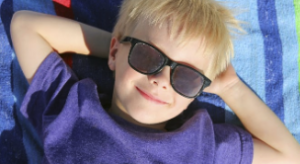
(22, 13)
(20, 19)
(17, 17)
(16, 20)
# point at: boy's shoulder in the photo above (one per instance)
(48, 90)
(232, 144)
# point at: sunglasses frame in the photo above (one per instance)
(168, 62)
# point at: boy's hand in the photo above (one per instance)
(223, 82)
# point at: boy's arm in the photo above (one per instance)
(273, 143)
(35, 35)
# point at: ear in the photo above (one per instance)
(113, 49)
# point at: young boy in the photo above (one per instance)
(164, 54)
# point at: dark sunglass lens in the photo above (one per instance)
(145, 58)
(187, 81)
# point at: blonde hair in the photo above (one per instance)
(192, 18)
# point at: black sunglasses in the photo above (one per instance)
(148, 60)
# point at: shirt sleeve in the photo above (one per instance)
(48, 91)
(233, 145)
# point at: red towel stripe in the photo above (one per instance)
(66, 3)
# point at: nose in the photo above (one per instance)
(161, 79)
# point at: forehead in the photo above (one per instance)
(190, 53)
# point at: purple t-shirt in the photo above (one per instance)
(74, 127)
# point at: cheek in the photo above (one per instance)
(125, 79)
(182, 103)
(124, 74)
(185, 102)
(123, 71)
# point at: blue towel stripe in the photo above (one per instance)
(288, 35)
(6, 96)
(19, 83)
(297, 13)
(273, 56)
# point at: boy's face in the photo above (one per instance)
(150, 99)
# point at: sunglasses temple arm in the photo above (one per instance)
(206, 84)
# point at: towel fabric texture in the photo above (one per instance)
(267, 59)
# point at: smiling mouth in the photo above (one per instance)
(150, 98)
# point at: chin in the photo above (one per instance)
(146, 118)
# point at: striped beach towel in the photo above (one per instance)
(267, 59)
